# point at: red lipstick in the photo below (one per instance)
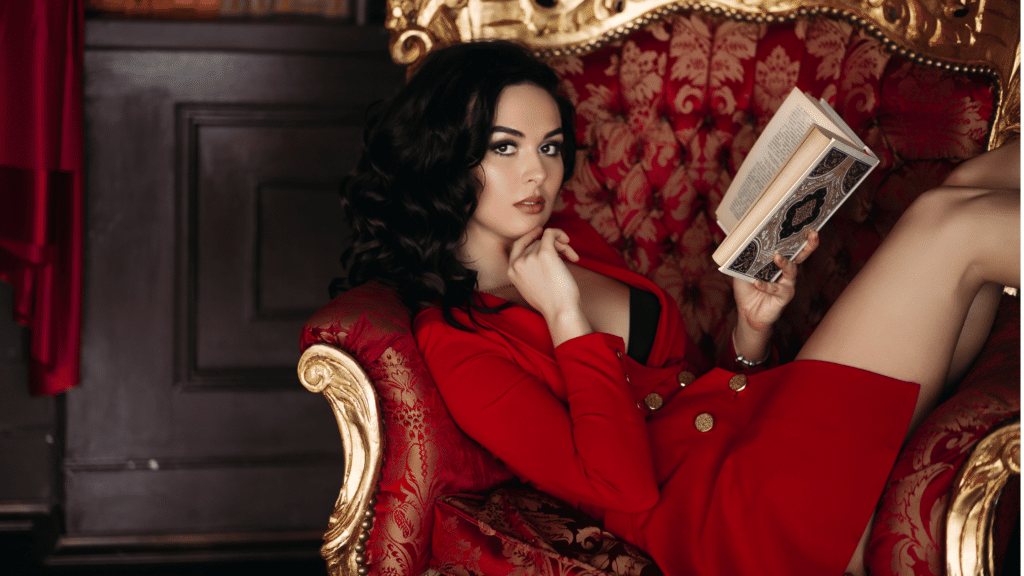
(532, 205)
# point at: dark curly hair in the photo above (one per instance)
(413, 192)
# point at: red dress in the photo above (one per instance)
(779, 477)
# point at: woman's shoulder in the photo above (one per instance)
(444, 345)
(428, 318)
(430, 324)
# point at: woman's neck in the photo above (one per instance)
(488, 257)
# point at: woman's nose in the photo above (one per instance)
(534, 170)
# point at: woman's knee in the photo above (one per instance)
(966, 174)
(999, 168)
(967, 225)
(939, 208)
(952, 219)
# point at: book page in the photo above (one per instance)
(807, 151)
(840, 126)
(791, 121)
(788, 132)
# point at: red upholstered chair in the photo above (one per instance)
(670, 98)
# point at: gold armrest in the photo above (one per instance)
(972, 505)
(335, 374)
(958, 35)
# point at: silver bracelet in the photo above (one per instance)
(742, 360)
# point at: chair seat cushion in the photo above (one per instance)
(523, 531)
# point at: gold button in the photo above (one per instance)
(618, 353)
(685, 378)
(704, 422)
(737, 382)
(654, 401)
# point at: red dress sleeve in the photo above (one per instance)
(592, 449)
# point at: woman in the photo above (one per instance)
(577, 373)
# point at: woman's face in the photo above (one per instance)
(522, 170)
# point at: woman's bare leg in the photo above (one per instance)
(904, 314)
(998, 169)
(975, 332)
(973, 336)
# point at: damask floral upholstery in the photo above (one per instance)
(909, 535)
(665, 117)
(525, 532)
(426, 455)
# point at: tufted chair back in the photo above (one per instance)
(666, 116)
(666, 113)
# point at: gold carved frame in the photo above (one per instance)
(973, 36)
(335, 374)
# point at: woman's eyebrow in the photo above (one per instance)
(507, 130)
(515, 132)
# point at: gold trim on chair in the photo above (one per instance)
(972, 506)
(328, 370)
(957, 35)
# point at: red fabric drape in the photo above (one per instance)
(41, 181)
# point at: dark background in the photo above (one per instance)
(213, 155)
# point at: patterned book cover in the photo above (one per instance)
(822, 191)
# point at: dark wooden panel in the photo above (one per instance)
(246, 233)
(27, 425)
(13, 336)
(278, 38)
(201, 163)
(291, 279)
(202, 497)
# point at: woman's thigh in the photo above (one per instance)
(903, 314)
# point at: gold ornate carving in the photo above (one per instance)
(335, 374)
(960, 35)
(975, 495)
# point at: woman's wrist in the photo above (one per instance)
(753, 346)
(567, 325)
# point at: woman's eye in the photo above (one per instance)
(551, 148)
(503, 148)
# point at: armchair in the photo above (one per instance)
(670, 97)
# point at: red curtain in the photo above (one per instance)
(41, 181)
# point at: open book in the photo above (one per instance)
(804, 165)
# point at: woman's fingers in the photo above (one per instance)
(519, 246)
(812, 244)
(561, 244)
(789, 270)
(789, 267)
(537, 243)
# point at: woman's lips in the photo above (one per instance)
(532, 205)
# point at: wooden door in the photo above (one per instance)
(213, 156)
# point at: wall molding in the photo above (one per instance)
(190, 119)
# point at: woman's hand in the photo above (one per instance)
(536, 269)
(760, 304)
